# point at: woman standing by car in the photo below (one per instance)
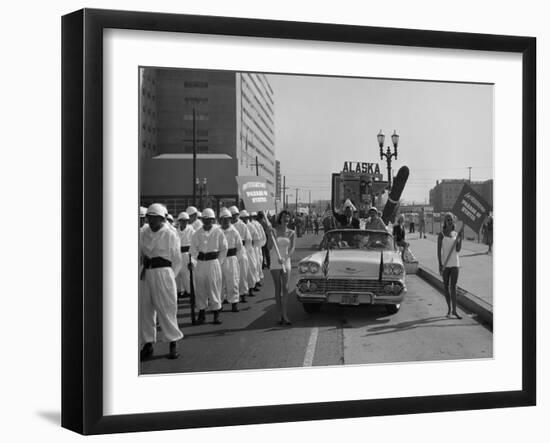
(281, 244)
(449, 243)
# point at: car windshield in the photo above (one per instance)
(348, 239)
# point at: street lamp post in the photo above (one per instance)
(388, 154)
(201, 185)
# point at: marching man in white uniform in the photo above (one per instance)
(262, 241)
(142, 216)
(230, 267)
(209, 248)
(185, 233)
(242, 255)
(193, 217)
(251, 253)
(161, 262)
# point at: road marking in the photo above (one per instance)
(310, 349)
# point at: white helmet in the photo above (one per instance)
(142, 211)
(243, 214)
(349, 204)
(183, 216)
(191, 210)
(234, 210)
(208, 213)
(157, 209)
(225, 213)
(169, 217)
(199, 214)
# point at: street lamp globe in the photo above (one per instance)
(395, 139)
(381, 137)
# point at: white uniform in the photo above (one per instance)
(208, 275)
(252, 255)
(245, 277)
(230, 267)
(262, 239)
(182, 278)
(158, 292)
(197, 224)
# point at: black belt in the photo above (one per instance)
(184, 249)
(205, 256)
(243, 242)
(153, 263)
(232, 252)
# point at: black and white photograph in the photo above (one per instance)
(294, 221)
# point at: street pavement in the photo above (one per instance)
(252, 339)
(476, 266)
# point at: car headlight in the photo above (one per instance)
(398, 269)
(307, 286)
(308, 267)
(393, 269)
(314, 268)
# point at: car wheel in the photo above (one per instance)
(392, 309)
(312, 308)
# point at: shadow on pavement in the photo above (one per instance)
(413, 324)
(266, 318)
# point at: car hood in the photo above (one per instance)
(354, 263)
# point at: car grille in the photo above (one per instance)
(345, 285)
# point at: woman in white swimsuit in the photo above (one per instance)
(280, 262)
(449, 244)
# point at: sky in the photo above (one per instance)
(321, 122)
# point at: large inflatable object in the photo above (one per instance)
(399, 182)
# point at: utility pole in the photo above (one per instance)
(257, 164)
(309, 203)
(469, 174)
(285, 200)
(297, 200)
(195, 140)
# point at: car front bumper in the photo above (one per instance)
(351, 298)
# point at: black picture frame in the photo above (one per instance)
(82, 231)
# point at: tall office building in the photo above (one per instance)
(443, 196)
(228, 116)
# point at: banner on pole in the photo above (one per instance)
(254, 193)
(471, 208)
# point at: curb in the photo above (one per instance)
(465, 299)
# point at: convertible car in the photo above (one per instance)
(353, 267)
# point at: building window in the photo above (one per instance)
(195, 84)
(195, 100)
(200, 132)
(198, 116)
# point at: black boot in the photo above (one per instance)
(217, 320)
(146, 352)
(234, 307)
(251, 292)
(243, 298)
(173, 351)
(201, 318)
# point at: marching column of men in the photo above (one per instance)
(226, 260)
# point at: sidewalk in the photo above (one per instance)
(475, 281)
(476, 267)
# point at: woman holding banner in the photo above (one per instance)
(449, 243)
(281, 244)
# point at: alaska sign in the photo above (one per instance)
(361, 167)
